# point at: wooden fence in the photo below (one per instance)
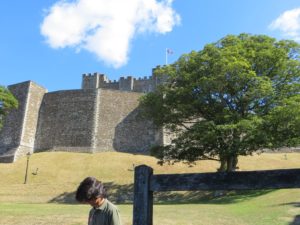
(145, 183)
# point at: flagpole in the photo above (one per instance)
(166, 56)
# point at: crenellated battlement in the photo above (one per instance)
(128, 83)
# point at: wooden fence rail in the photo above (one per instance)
(145, 183)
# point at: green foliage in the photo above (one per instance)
(284, 122)
(7, 102)
(232, 98)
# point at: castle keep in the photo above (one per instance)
(101, 116)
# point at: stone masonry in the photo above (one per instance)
(101, 116)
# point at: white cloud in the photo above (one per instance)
(288, 23)
(106, 27)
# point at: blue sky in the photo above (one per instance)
(54, 42)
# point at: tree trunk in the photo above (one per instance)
(228, 163)
(223, 165)
(232, 162)
(235, 162)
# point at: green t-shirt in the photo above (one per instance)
(106, 214)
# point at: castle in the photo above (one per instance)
(101, 116)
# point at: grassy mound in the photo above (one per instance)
(54, 176)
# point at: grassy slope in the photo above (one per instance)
(60, 173)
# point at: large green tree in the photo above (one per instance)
(234, 97)
(7, 102)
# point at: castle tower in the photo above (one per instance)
(90, 81)
(94, 81)
(126, 84)
(18, 134)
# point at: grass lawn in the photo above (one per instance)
(48, 197)
(278, 207)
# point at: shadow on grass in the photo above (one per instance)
(123, 194)
(295, 204)
(296, 220)
(207, 197)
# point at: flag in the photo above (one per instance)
(169, 51)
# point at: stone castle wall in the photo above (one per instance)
(66, 121)
(34, 99)
(120, 128)
(18, 134)
(92, 120)
(102, 116)
(10, 135)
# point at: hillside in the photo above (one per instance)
(53, 177)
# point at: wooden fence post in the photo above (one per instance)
(143, 196)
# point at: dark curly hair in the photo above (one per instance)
(90, 188)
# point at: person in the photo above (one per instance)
(91, 191)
